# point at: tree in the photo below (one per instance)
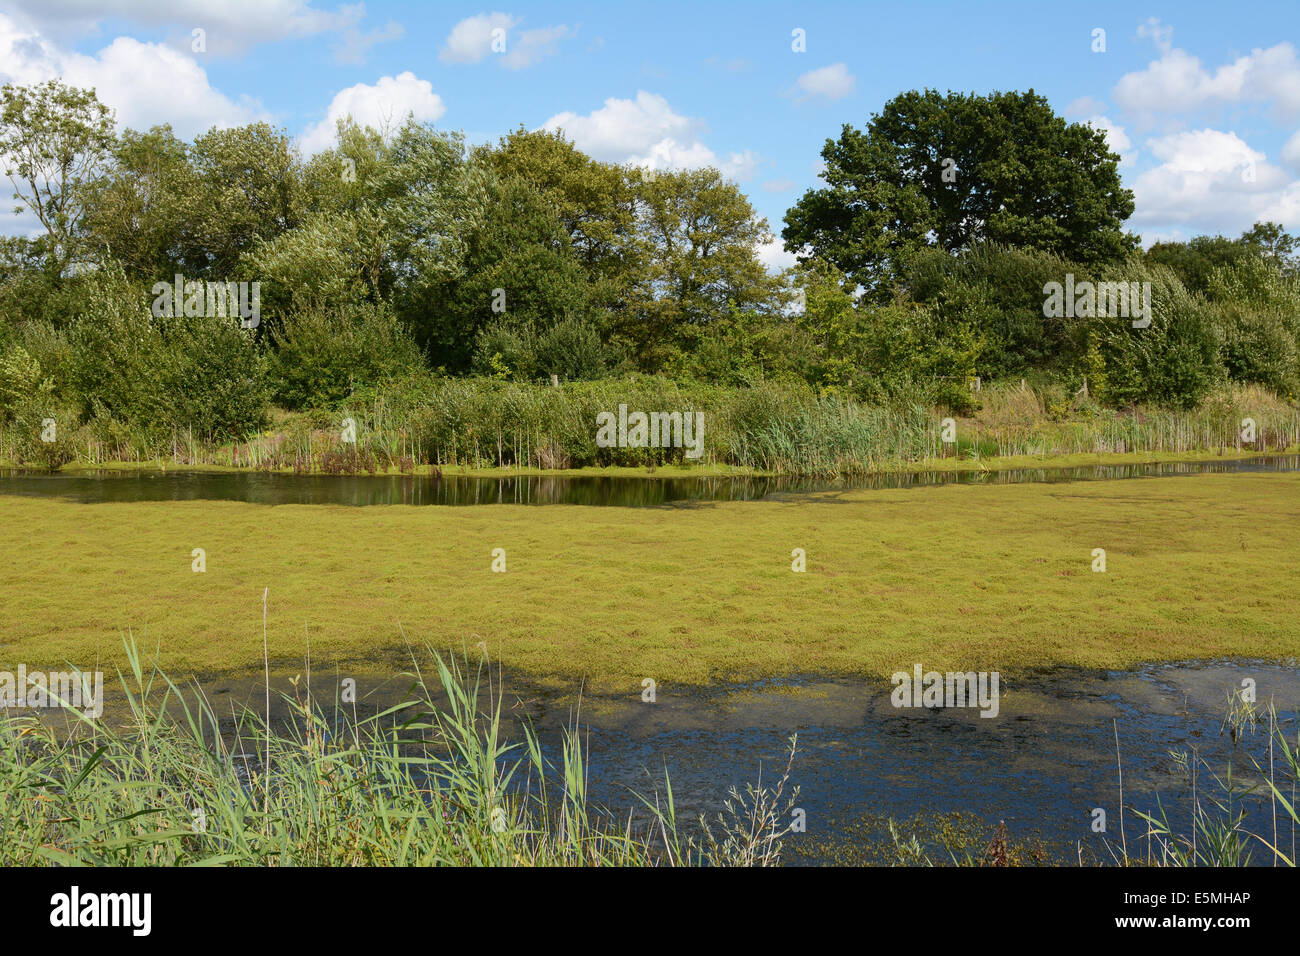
(520, 276)
(952, 170)
(595, 202)
(247, 190)
(54, 140)
(1195, 261)
(1272, 242)
(700, 235)
(1198, 259)
(378, 218)
(136, 213)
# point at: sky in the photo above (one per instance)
(1201, 100)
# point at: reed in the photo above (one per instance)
(429, 781)
(778, 428)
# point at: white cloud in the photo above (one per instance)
(470, 41)
(1160, 35)
(833, 82)
(647, 132)
(355, 45)
(24, 223)
(383, 105)
(779, 185)
(1213, 181)
(740, 166)
(231, 26)
(623, 130)
(1085, 106)
(532, 46)
(773, 255)
(1177, 82)
(1116, 138)
(145, 83)
(1291, 151)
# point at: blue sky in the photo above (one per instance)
(1201, 99)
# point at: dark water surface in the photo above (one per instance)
(275, 489)
(1042, 765)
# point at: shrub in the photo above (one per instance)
(320, 357)
(572, 348)
(1175, 360)
(1258, 347)
(159, 374)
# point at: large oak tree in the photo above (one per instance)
(952, 170)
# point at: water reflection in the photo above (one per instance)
(275, 489)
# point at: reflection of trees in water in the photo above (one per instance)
(262, 488)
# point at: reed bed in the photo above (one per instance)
(431, 781)
(483, 423)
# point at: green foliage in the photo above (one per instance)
(1019, 175)
(320, 356)
(21, 379)
(158, 374)
(521, 275)
(140, 213)
(318, 264)
(399, 250)
(1175, 361)
(699, 234)
(997, 292)
(438, 784)
(54, 140)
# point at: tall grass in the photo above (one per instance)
(431, 781)
(785, 429)
(1214, 833)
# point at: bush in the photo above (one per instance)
(1258, 346)
(1175, 361)
(322, 357)
(156, 375)
(572, 348)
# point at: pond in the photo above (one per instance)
(1042, 765)
(277, 489)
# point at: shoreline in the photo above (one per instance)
(675, 472)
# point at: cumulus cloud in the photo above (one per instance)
(834, 82)
(773, 255)
(470, 41)
(1212, 180)
(1116, 138)
(1291, 151)
(385, 104)
(145, 83)
(231, 26)
(1178, 82)
(645, 131)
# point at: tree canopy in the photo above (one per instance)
(954, 170)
